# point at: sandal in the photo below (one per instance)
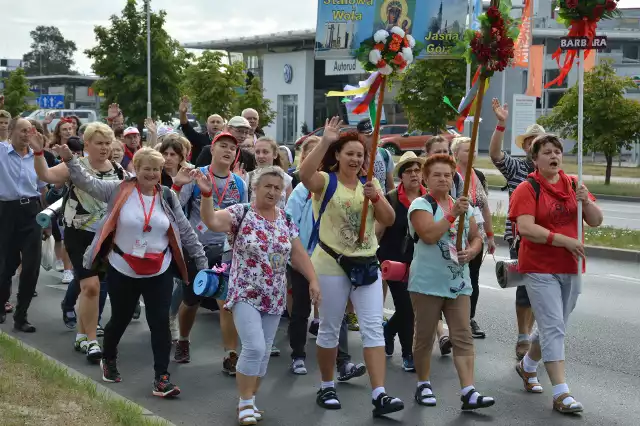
(482, 401)
(328, 394)
(571, 408)
(528, 386)
(445, 345)
(420, 398)
(246, 416)
(257, 413)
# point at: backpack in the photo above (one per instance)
(196, 190)
(331, 190)
(385, 154)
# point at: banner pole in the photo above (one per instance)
(372, 157)
(580, 149)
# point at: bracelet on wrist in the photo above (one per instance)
(376, 199)
(208, 194)
(550, 238)
(38, 153)
(176, 188)
(490, 234)
(500, 129)
(450, 218)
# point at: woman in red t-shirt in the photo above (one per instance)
(547, 221)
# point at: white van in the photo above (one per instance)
(85, 115)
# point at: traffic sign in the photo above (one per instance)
(51, 101)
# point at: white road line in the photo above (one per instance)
(624, 278)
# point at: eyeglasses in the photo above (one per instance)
(412, 172)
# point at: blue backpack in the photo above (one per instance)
(196, 190)
(331, 189)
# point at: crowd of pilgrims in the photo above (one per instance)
(141, 220)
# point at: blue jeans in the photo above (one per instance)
(73, 291)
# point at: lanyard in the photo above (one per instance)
(215, 187)
(147, 218)
(472, 185)
(452, 227)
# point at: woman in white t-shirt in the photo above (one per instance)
(140, 237)
(267, 154)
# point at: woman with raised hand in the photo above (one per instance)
(82, 216)
(347, 268)
(545, 208)
(439, 280)
(264, 238)
(140, 237)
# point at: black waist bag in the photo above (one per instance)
(360, 270)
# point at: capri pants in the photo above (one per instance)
(367, 302)
(256, 331)
(553, 297)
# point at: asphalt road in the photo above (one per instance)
(602, 358)
(619, 214)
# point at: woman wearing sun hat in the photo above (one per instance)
(393, 247)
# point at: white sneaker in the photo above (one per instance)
(59, 265)
(173, 326)
(67, 276)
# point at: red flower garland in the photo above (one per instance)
(493, 51)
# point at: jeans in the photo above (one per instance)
(73, 291)
(124, 294)
(299, 317)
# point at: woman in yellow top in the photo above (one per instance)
(347, 268)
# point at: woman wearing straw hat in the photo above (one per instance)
(393, 247)
(515, 171)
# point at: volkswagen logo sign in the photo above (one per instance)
(288, 73)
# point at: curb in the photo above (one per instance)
(595, 251)
(101, 389)
(604, 197)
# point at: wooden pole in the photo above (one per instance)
(472, 150)
(372, 157)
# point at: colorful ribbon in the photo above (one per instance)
(364, 95)
(468, 101)
(582, 28)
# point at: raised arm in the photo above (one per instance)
(101, 190)
(216, 221)
(495, 147)
(309, 175)
(57, 175)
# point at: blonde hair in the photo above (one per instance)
(97, 128)
(457, 142)
(274, 148)
(258, 174)
(5, 114)
(146, 154)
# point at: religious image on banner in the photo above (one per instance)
(343, 25)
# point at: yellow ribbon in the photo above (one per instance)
(353, 92)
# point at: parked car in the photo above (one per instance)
(85, 115)
(412, 141)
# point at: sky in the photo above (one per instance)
(187, 20)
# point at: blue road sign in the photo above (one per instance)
(51, 101)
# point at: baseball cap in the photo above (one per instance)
(365, 127)
(224, 135)
(238, 121)
(131, 131)
(165, 130)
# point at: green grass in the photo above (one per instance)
(570, 167)
(35, 390)
(604, 236)
(596, 187)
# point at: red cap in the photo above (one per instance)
(225, 135)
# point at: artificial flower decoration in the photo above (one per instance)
(492, 46)
(581, 17)
(388, 51)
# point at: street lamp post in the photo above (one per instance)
(148, 5)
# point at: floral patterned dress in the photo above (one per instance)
(261, 251)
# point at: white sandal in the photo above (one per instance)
(247, 416)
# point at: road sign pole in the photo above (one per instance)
(581, 55)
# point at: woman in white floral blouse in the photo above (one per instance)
(264, 237)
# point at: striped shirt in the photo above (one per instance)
(515, 171)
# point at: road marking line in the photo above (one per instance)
(624, 278)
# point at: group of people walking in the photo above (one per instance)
(143, 221)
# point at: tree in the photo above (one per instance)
(254, 98)
(213, 85)
(16, 92)
(424, 85)
(120, 58)
(610, 120)
(51, 53)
